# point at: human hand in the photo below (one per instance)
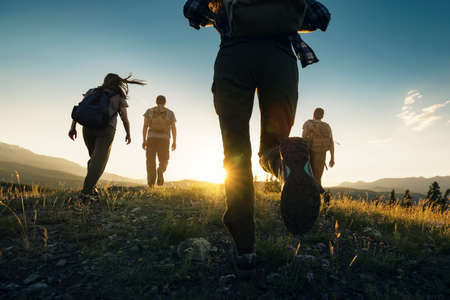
(73, 134)
(128, 139)
(331, 163)
(144, 145)
(174, 146)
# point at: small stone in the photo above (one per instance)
(12, 286)
(306, 258)
(30, 279)
(411, 262)
(61, 263)
(36, 287)
(227, 279)
(196, 249)
(273, 276)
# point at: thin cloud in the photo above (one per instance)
(419, 120)
(435, 107)
(412, 97)
(381, 141)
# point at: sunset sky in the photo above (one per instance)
(383, 80)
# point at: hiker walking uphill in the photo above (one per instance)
(320, 140)
(256, 55)
(159, 122)
(97, 113)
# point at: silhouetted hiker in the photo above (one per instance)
(98, 114)
(320, 141)
(256, 55)
(159, 121)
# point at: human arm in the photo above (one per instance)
(73, 131)
(126, 123)
(144, 133)
(198, 13)
(331, 164)
(174, 136)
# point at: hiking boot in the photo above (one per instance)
(160, 180)
(300, 196)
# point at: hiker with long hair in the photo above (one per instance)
(98, 114)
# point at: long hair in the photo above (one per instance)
(119, 85)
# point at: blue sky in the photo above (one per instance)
(372, 55)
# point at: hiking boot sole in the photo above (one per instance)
(300, 196)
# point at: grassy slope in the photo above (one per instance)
(126, 247)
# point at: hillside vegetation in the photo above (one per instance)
(136, 243)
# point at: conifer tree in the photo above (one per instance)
(392, 199)
(407, 199)
(433, 196)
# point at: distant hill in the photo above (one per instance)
(23, 157)
(414, 184)
(29, 175)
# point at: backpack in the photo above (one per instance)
(318, 135)
(159, 121)
(263, 18)
(93, 111)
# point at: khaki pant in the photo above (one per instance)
(241, 68)
(156, 147)
(318, 164)
(98, 143)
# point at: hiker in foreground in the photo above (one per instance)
(256, 55)
(320, 141)
(97, 113)
(159, 122)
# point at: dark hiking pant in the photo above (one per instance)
(156, 147)
(270, 68)
(318, 164)
(98, 142)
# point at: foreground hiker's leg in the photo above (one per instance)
(278, 93)
(99, 157)
(233, 100)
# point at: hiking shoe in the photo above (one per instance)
(160, 180)
(300, 196)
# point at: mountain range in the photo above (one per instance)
(414, 184)
(60, 173)
(46, 170)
